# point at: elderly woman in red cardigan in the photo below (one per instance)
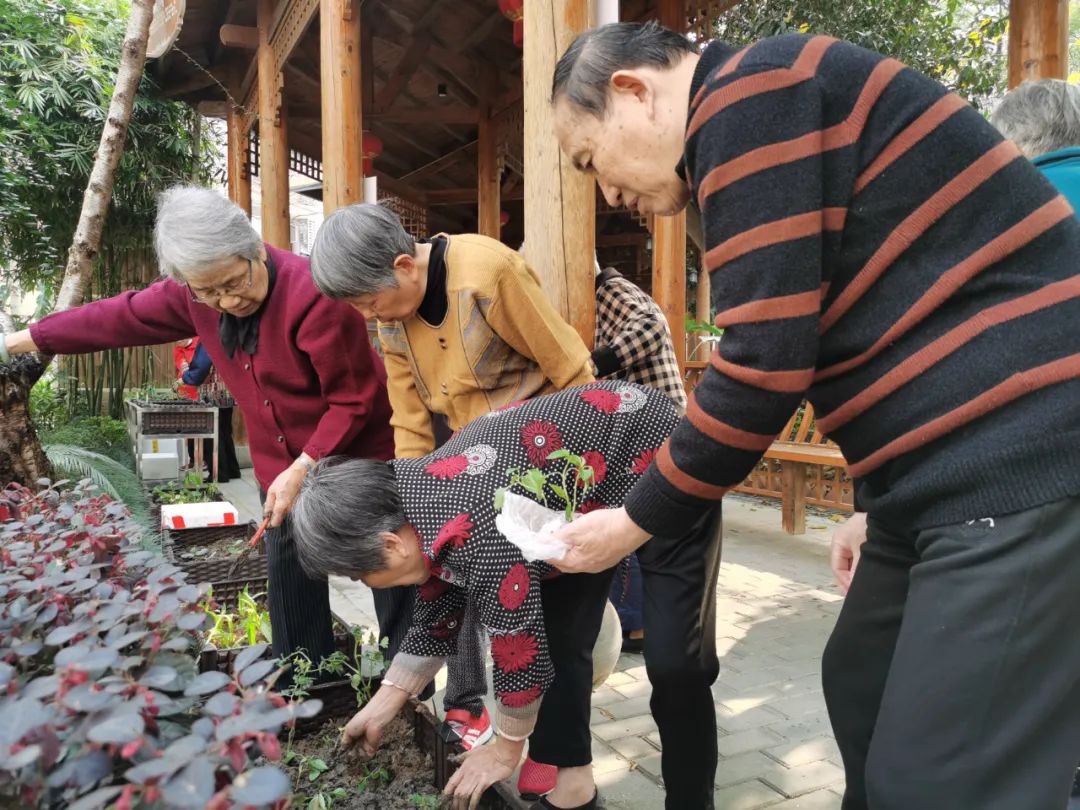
(298, 364)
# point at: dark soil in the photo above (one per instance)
(225, 547)
(398, 776)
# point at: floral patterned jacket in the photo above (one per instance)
(448, 497)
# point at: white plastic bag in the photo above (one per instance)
(529, 526)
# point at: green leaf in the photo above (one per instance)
(557, 454)
(559, 491)
(500, 498)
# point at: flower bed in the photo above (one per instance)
(102, 701)
(210, 554)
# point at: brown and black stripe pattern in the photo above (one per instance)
(876, 247)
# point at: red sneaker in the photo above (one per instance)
(471, 731)
(536, 779)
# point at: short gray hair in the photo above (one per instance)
(338, 519)
(1040, 116)
(355, 249)
(198, 229)
(584, 72)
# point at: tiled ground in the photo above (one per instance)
(775, 607)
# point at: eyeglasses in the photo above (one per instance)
(212, 294)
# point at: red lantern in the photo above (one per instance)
(372, 147)
(504, 217)
(512, 10)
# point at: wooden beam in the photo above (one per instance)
(621, 239)
(239, 175)
(200, 81)
(273, 138)
(463, 196)
(291, 20)
(437, 165)
(669, 233)
(560, 201)
(1038, 40)
(422, 115)
(403, 72)
(239, 36)
(487, 181)
(400, 189)
(342, 104)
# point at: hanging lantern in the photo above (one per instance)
(504, 217)
(512, 10)
(372, 147)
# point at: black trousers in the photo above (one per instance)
(573, 612)
(299, 606)
(952, 677)
(679, 576)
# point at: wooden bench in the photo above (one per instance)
(800, 467)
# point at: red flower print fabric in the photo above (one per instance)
(602, 399)
(513, 652)
(454, 533)
(590, 506)
(514, 588)
(595, 460)
(643, 460)
(432, 589)
(541, 439)
(447, 468)
(522, 697)
(447, 627)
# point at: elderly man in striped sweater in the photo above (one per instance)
(876, 247)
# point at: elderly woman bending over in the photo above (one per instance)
(298, 364)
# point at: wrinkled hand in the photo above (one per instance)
(282, 493)
(481, 768)
(847, 544)
(368, 724)
(598, 540)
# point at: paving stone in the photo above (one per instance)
(804, 729)
(606, 760)
(800, 753)
(803, 778)
(818, 800)
(651, 765)
(799, 705)
(614, 729)
(605, 695)
(746, 796)
(635, 689)
(629, 790)
(731, 744)
(628, 708)
(751, 718)
(633, 747)
(618, 678)
(731, 770)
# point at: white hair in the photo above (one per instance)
(355, 250)
(198, 229)
(1040, 116)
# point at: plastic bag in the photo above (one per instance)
(529, 526)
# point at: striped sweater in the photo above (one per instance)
(877, 248)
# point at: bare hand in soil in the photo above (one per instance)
(480, 769)
(368, 724)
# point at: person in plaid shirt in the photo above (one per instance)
(633, 342)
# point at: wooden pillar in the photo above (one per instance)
(342, 103)
(487, 179)
(273, 138)
(560, 201)
(703, 302)
(669, 233)
(1038, 40)
(239, 171)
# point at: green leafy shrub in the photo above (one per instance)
(99, 434)
(111, 477)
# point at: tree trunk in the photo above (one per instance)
(21, 456)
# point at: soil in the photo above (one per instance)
(398, 776)
(225, 547)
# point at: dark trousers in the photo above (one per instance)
(573, 611)
(228, 466)
(628, 594)
(299, 606)
(952, 677)
(679, 576)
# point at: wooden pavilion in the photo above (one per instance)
(447, 118)
(431, 107)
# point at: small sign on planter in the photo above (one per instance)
(198, 515)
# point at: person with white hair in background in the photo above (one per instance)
(299, 366)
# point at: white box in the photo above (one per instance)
(199, 515)
(156, 466)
